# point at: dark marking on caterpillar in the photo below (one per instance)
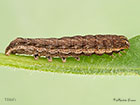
(68, 46)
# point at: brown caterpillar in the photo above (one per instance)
(68, 46)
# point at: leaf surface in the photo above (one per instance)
(128, 63)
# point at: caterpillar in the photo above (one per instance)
(64, 47)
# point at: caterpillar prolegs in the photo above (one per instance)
(68, 46)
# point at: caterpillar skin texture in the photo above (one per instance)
(68, 46)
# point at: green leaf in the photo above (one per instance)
(128, 63)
